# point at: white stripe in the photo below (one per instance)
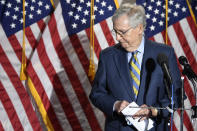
(100, 36)
(189, 37)
(6, 123)
(76, 63)
(159, 38)
(84, 42)
(110, 25)
(12, 93)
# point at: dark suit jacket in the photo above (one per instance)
(113, 82)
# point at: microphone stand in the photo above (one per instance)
(182, 103)
(193, 78)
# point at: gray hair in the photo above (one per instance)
(135, 13)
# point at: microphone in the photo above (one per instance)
(187, 68)
(162, 59)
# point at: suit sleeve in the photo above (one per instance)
(99, 94)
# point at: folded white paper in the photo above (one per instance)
(140, 126)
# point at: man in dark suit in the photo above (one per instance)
(113, 84)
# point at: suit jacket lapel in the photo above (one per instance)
(147, 49)
(120, 59)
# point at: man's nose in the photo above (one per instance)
(118, 37)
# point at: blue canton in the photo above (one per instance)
(12, 13)
(77, 13)
(155, 14)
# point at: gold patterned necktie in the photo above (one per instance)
(134, 69)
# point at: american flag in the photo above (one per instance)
(58, 55)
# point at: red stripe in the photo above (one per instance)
(107, 33)
(80, 52)
(193, 27)
(72, 75)
(7, 103)
(1, 127)
(97, 47)
(24, 97)
(16, 46)
(185, 46)
(45, 100)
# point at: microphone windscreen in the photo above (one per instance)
(183, 60)
(150, 65)
(162, 58)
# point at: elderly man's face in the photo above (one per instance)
(130, 38)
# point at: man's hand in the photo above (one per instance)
(143, 113)
(120, 105)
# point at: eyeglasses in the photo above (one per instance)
(121, 33)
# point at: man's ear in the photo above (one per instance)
(140, 29)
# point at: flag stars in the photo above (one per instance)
(33, 1)
(18, 1)
(154, 19)
(83, 21)
(79, 8)
(26, 4)
(158, 3)
(150, 7)
(169, 10)
(95, 8)
(101, 12)
(40, 3)
(156, 11)
(74, 25)
(144, 4)
(7, 13)
(148, 16)
(39, 12)
(14, 17)
(2, 2)
(152, 28)
(30, 16)
(13, 25)
(162, 15)
(103, 3)
(175, 14)
(177, 5)
(73, 5)
(88, 4)
(16, 8)
(32, 8)
(97, 1)
(47, 7)
(81, 1)
(21, 20)
(184, 9)
(86, 12)
(171, 2)
(152, 0)
(76, 17)
(68, 1)
(110, 8)
(9, 5)
(70, 13)
(161, 23)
